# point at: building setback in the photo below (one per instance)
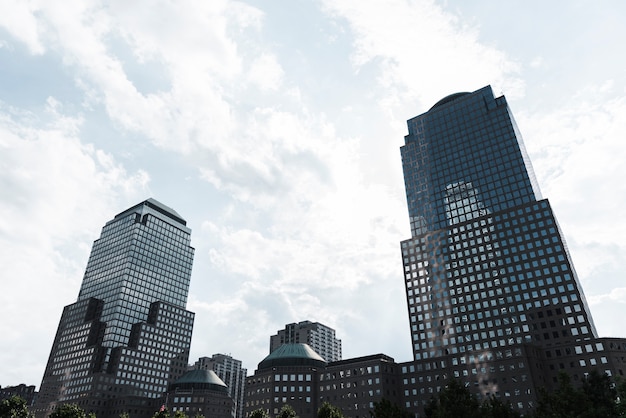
(127, 337)
(319, 337)
(493, 298)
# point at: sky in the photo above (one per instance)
(274, 129)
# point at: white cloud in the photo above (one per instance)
(18, 18)
(243, 117)
(265, 72)
(418, 44)
(57, 192)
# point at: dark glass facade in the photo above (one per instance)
(128, 335)
(492, 294)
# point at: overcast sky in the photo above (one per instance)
(273, 128)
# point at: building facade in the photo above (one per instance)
(295, 375)
(492, 294)
(25, 392)
(319, 337)
(127, 337)
(289, 375)
(356, 384)
(200, 392)
(231, 372)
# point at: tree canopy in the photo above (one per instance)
(287, 411)
(70, 410)
(455, 400)
(14, 407)
(597, 397)
(386, 409)
(329, 411)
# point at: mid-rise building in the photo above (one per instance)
(25, 392)
(198, 393)
(492, 294)
(231, 372)
(295, 375)
(127, 337)
(355, 385)
(289, 375)
(319, 337)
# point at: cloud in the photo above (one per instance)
(577, 152)
(18, 18)
(417, 41)
(617, 294)
(57, 193)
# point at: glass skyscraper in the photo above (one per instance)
(492, 294)
(128, 335)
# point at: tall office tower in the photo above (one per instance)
(231, 372)
(318, 336)
(128, 334)
(492, 294)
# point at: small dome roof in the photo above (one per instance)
(200, 379)
(449, 98)
(292, 355)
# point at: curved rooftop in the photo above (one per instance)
(200, 379)
(292, 355)
(449, 98)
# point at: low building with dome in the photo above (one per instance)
(200, 392)
(289, 375)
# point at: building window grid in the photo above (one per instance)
(483, 243)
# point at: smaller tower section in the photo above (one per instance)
(319, 337)
(231, 372)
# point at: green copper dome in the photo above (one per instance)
(292, 355)
(200, 379)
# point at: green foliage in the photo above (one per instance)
(601, 395)
(259, 413)
(386, 409)
(69, 410)
(287, 412)
(14, 407)
(455, 400)
(165, 413)
(495, 408)
(329, 411)
(620, 405)
(124, 415)
(596, 398)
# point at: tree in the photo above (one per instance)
(386, 409)
(259, 413)
(14, 407)
(620, 404)
(454, 400)
(287, 412)
(70, 410)
(564, 402)
(329, 411)
(163, 412)
(601, 395)
(495, 408)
